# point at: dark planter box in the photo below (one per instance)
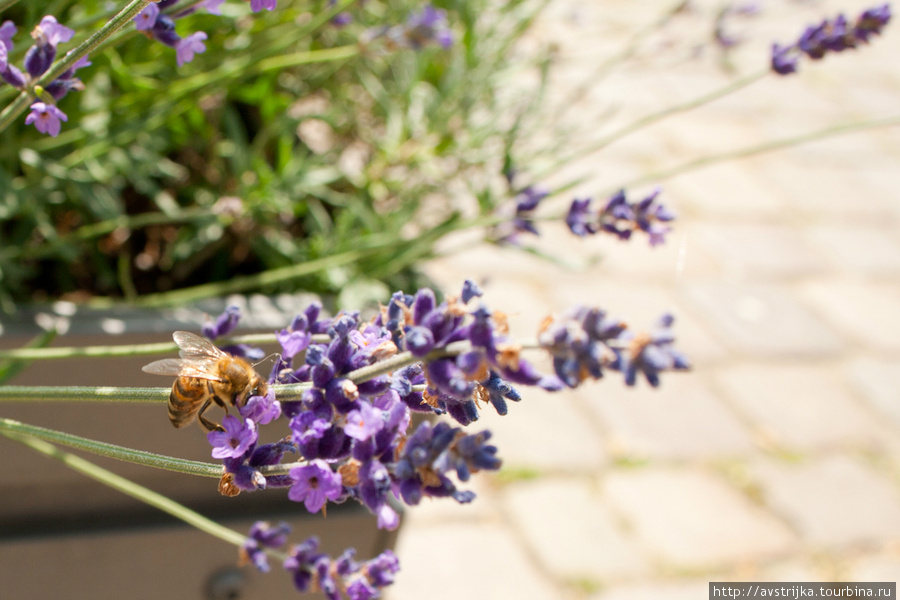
(63, 535)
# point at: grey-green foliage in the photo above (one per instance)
(348, 147)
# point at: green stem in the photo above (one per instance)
(301, 58)
(23, 100)
(72, 393)
(154, 499)
(132, 349)
(4, 4)
(769, 146)
(150, 459)
(652, 118)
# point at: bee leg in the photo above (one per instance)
(206, 423)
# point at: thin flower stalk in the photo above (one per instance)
(140, 457)
(654, 117)
(765, 147)
(132, 489)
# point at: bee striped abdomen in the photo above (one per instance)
(186, 399)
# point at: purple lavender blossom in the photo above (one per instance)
(262, 410)
(46, 118)
(522, 219)
(263, 535)
(314, 485)
(49, 31)
(314, 571)
(3, 58)
(146, 19)
(258, 5)
(212, 6)
(649, 354)
(47, 35)
(784, 59)
(186, 48)
(7, 30)
(364, 422)
(238, 436)
(579, 217)
(428, 25)
(578, 342)
(224, 323)
(872, 22)
(422, 28)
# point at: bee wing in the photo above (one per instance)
(195, 347)
(178, 367)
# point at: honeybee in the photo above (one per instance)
(205, 375)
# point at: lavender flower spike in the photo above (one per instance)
(830, 36)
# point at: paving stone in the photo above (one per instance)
(547, 432)
(869, 312)
(762, 320)
(690, 519)
(571, 530)
(449, 562)
(679, 259)
(671, 590)
(822, 189)
(832, 501)
(798, 406)
(748, 250)
(858, 249)
(726, 190)
(879, 382)
(884, 566)
(681, 419)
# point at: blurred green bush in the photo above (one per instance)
(289, 141)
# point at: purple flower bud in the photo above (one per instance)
(7, 31)
(470, 290)
(578, 218)
(14, 77)
(224, 323)
(38, 59)
(164, 31)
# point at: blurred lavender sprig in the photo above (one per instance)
(830, 36)
(620, 217)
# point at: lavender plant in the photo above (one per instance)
(343, 391)
(314, 192)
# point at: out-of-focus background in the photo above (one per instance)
(776, 459)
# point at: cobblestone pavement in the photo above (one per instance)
(778, 457)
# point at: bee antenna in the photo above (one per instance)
(277, 356)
